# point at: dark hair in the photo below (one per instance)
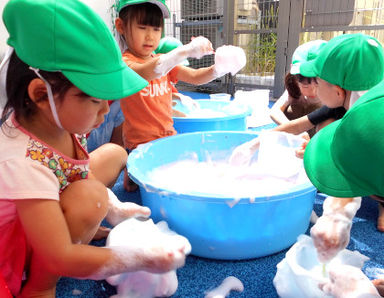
(147, 14)
(19, 75)
(304, 80)
(291, 84)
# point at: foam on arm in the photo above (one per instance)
(197, 48)
(331, 232)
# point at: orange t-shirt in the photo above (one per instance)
(148, 113)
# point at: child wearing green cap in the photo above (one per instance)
(341, 71)
(53, 195)
(300, 119)
(148, 113)
(340, 86)
(345, 160)
(318, 118)
(300, 97)
(110, 131)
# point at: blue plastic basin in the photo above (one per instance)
(235, 119)
(215, 230)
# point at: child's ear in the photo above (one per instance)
(340, 92)
(119, 24)
(37, 90)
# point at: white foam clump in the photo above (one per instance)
(229, 58)
(276, 170)
(142, 284)
(229, 283)
(300, 272)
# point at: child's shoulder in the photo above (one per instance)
(13, 141)
(128, 56)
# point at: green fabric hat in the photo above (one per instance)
(345, 158)
(160, 3)
(168, 44)
(68, 36)
(305, 52)
(353, 62)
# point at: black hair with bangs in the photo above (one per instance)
(147, 14)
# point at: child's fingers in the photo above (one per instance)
(142, 212)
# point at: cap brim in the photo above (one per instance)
(295, 69)
(110, 86)
(164, 8)
(308, 69)
(321, 168)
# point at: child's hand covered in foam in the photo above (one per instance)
(229, 59)
(242, 154)
(199, 47)
(331, 232)
(119, 211)
(346, 281)
(186, 101)
(300, 151)
(156, 248)
(163, 258)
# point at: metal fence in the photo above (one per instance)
(269, 31)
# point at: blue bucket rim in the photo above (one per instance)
(150, 187)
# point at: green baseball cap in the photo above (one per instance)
(353, 62)
(167, 44)
(305, 52)
(160, 3)
(68, 36)
(345, 158)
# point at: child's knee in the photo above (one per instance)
(86, 200)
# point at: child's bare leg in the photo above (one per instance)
(84, 204)
(107, 162)
(380, 218)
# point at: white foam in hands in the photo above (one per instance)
(142, 284)
(229, 59)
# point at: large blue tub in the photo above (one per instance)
(249, 229)
(235, 118)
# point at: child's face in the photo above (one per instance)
(330, 95)
(142, 40)
(308, 90)
(79, 113)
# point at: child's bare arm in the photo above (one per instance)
(296, 126)
(196, 76)
(47, 231)
(278, 108)
(147, 69)
(331, 232)
(197, 48)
